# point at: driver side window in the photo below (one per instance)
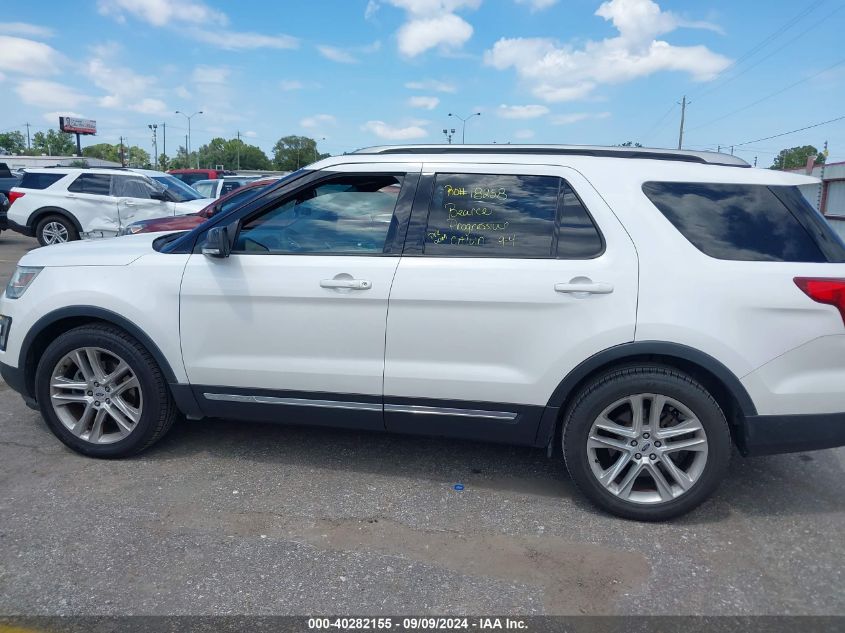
(347, 214)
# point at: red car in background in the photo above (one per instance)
(190, 176)
(187, 222)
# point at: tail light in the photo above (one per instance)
(14, 195)
(828, 291)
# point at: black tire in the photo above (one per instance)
(158, 412)
(610, 387)
(72, 233)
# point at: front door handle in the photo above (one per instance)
(349, 284)
(591, 288)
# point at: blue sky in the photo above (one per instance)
(367, 72)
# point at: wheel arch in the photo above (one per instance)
(56, 323)
(43, 212)
(714, 376)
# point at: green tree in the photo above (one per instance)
(232, 154)
(292, 152)
(103, 151)
(163, 162)
(13, 142)
(137, 157)
(53, 143)
(796, 157)
(180, 161)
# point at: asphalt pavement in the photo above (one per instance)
(227, 517)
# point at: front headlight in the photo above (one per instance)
(132, 229)
(21, 280)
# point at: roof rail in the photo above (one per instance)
(708, 158)
(80, 167)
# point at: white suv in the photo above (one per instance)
(62, 204)
(644, 309)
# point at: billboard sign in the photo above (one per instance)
(77, 126)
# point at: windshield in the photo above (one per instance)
(242, 197)
(178, 189)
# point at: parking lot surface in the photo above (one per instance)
(226, 517)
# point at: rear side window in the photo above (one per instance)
(498, 215)
(97, 184)
(39, 181)
(738, 222)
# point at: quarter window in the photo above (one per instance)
(735, 222)
(496, 215)
(353, 216)
(36, 180)
(95, 184)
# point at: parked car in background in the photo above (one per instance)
(178, 190)
(8, 179)
(191, 176)
(221, 186)
(62, 204)
(622, 304)
(4, 208)
(234, 198)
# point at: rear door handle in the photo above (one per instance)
(592, 288)
(350, 284)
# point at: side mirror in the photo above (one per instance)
(159, 195)
(217, 242)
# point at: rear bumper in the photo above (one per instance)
(770, 434)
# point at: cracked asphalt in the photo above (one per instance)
(226, 517)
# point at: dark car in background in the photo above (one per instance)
(235, 198)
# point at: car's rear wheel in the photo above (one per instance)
(102, 393)
(55, 229)
(646, 443)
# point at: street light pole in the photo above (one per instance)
(154, 128)
(188, 149)
(463, 121)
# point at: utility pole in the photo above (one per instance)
(684, 103)
(755, 161)
(822, 198)
(164, 139)
(122, 153)
(154, 128)
(239, 149)
(28, 143)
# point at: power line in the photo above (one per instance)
(770, 38)
(800, 129)
(769, 96)
(659, 121)
(770, 55)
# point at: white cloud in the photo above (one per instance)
(447, 31)
(521, 111)
(318, 120)
(23, 28)
(393, 133)
(124, 87)
(523, 134)
(210, 74)
(431, 84)
(28, 57)
(428, 103)
(337, 54)
(196, 20)
(291, 84)
(576, 117)
(2, 77)
(250, 134)
(163, 12)
(242, 40)
(372, 8)
(149, 106)
(537, 5)
(182, 92)
(555, 72)
(49, 94)
(433, 24)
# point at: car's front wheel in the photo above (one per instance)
(647, 443)
(102, 393)
(55, 229)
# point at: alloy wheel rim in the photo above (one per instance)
(55, 233)
(96, 395)
(647, 448)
